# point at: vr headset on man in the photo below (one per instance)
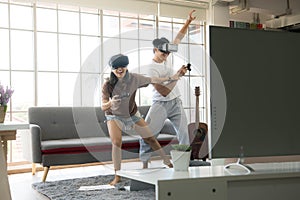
(164, 45)
(168, 48)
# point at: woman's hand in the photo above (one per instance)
(115, 102)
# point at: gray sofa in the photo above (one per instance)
(79, 135)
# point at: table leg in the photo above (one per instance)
(4, 188)
(4, 145)
(138, 185)
(5, 136)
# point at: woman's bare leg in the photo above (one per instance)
(143, 130)
(116, 139)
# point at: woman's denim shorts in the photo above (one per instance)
(127, 122)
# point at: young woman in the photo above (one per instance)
(118, 102)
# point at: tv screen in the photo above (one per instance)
(255, 92)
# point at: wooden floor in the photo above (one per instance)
(20, 184)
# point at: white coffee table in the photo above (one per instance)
(140, 178)
(153, 175)
(270, 181)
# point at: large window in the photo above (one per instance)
(57, 55)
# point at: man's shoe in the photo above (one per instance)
(145, 164)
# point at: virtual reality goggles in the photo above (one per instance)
(168, 48)
(118, 60)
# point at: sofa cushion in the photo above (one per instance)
(96, 144)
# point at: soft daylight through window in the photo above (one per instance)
(54, 51)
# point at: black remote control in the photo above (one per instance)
(188, 66)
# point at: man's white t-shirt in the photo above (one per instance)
(161, 70)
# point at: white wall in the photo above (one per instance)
(218, 14)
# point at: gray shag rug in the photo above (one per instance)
(68, 189)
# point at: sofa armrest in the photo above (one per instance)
(35, 131)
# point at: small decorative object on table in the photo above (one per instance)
(5, 95)
(181, 154)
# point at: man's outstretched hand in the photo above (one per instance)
(191, 17)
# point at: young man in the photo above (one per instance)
(166, 97)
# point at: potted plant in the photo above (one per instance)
(5, 95)
(180, 155)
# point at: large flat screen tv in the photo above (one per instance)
(255, 92)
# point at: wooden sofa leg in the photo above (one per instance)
(46, 170)
(33, 169)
